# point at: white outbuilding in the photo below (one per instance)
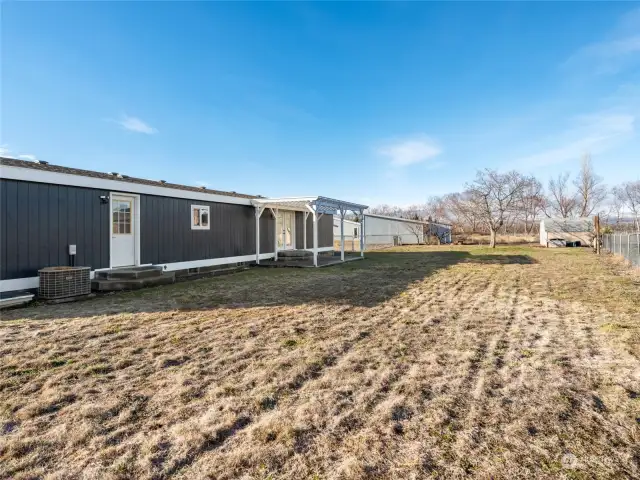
(351, 228)
(562, 232)
(384, 230)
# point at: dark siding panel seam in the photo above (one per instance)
(71, 223)
(63, 230)
(44, 243)
(39, 221)
(53, 225)
(3, 230)
(12, 229)
(34, 227)
(23, 229)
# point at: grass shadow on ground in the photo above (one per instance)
(366, 283)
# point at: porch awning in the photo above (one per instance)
(315, 206)
(330, 206)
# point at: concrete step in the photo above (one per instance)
(117, 284)
(131, 273)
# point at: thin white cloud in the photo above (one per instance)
(134, 124)
(410, 151)
(614, 54)
(29, 157)
(607, 58)
(4, 150)
(595, 133)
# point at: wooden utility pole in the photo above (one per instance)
(596, 224)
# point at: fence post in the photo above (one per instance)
(596, 224)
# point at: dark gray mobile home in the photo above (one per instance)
(111, 220)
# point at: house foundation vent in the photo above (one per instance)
(64, 282)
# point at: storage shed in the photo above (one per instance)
(351, 228)
(384, 230)
(561, 232)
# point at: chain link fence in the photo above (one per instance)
(625, 244)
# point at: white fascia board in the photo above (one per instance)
(57, 178)
(282, 199)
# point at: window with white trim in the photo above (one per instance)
(199, 217)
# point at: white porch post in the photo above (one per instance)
(275, 233)
(362, 246)
(341, 234)
(258, 213)
(315, 239)
(304, 230)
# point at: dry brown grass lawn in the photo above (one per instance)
(418, 362)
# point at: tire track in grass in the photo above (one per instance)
(397, 384)
(288, 388)
(487, 397)
(328, 357)
(295, 389)
(375, 341)
(456, 408)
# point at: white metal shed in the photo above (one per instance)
(559, 231)
(383, 230)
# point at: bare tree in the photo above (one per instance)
(413, 212)
(590, 191)
(417, 229)
(436, 210)
(627, 195)
(493, 195)
(617, 206)
(530, 204)
(387, 210)
(560, 201)
(462, 213)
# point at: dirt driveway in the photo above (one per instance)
(415, 363)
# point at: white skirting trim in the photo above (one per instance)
(32, 282)
(14, 284)
(213, 261)
(27, 283)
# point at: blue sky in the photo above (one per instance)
(370, 102)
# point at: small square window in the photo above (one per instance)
(199, 217)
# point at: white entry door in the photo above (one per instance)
(123, 244)
(285, 222)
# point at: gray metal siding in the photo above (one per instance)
(40, 220)
(325, 231)
(166, 235)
